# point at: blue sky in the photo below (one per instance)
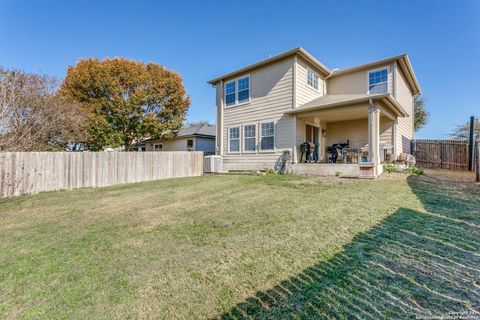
(204, 39)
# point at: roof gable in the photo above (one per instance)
(403, 62)
(290, 53)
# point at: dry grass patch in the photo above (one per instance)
(449, 175)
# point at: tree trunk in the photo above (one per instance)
(126, 144)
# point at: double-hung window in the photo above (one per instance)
(243, 89)
(312, 79)
(234, 139)
(250, 138)
(237, 91)
(377, 81)
(230, 93)
(267, 138)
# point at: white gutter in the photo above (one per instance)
(394, 79)
(220, 127)
(325, 81)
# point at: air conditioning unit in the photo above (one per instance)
(212, 164)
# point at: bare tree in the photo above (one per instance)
(33, 117)
(462, 131)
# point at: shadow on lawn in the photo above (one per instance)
(412, 263)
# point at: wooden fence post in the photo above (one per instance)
(471, 143)
(477, 162)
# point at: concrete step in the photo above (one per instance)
(239, 173)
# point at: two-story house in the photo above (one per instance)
(279, 103)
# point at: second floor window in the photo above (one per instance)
(377, 81)
(312, 79)
(237, 91)
(243, 89)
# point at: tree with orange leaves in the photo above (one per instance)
(126, 100)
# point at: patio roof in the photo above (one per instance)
(339, 100)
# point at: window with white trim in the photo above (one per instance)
(230, 93)
(234, 139)
(243, 89)
(237, 91)
(312, 79)
(249, 138)
(267, 136)
(158, 147)
(377, 81)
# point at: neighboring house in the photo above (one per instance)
(276, 104)
(199, 137)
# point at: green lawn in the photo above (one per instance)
(243, 247)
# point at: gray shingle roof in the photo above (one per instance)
(204, 129)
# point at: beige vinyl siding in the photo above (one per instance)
(271, 94)
(356, 82)
(179, 144)
(386, 132)
(305, 93)
(405, 125)
(356, 131)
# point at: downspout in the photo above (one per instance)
(294, 105)
(395, 122)
(325, 81)
(370, 133)
(394, 79)
(321, 138)
(220, 118)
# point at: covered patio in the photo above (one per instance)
(347, 135)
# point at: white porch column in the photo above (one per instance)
(294, 146)
(394, 139)
(374, 134)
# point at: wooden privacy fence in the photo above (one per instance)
(33, 172)
(446, 154)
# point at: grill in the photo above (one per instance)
(309, 150)
(336, 150)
